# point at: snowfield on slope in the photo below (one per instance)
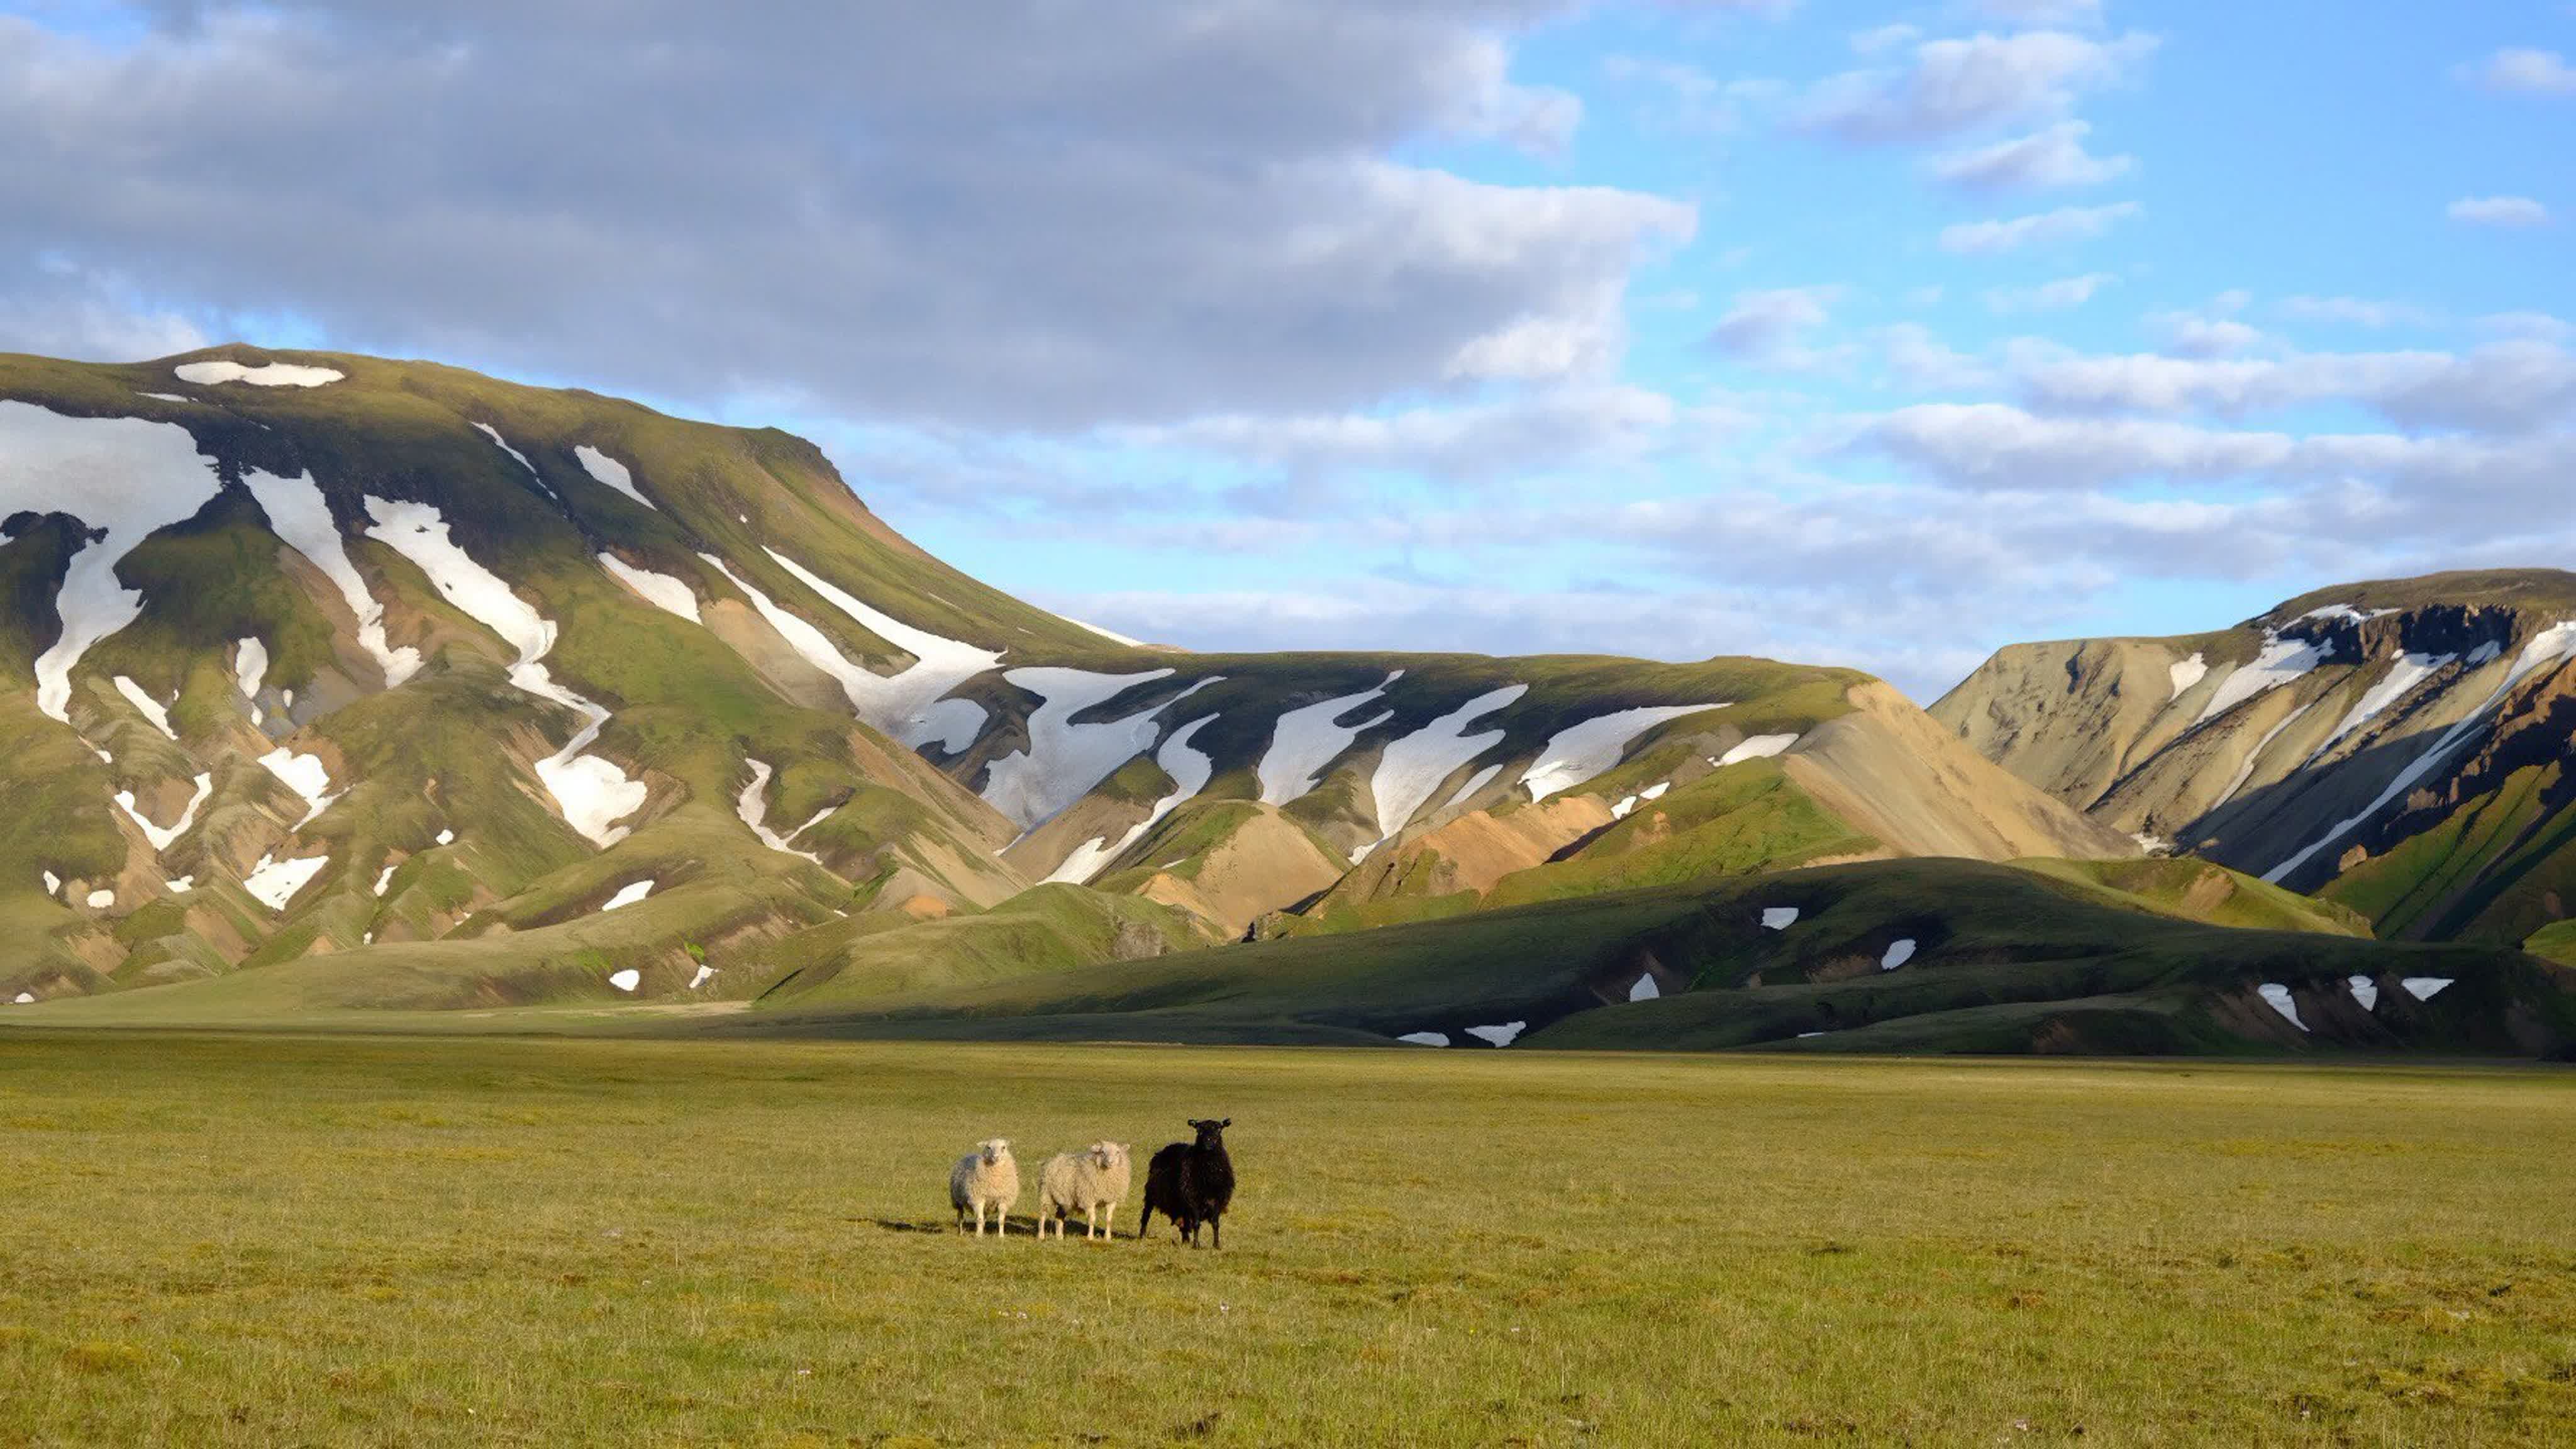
(1410, 768)
(306, 775)
(267, 374)
(125, 477)
(2409, 670)
(592, 793)
(908, 705)
(1064, 761)
(2281, 661)
(753, 806)
(609, 471)
(297, 513)
(1190, 770)
(250, 666)
(1579, 752)
(1306, 739)
(274, 882)
(160, 838)
(662, 591)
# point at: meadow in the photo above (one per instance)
(263, 1240)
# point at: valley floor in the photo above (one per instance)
(262, 1240)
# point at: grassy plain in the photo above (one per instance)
(310, 1240)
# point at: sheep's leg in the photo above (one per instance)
(1216, 1230)
(1145, 1220)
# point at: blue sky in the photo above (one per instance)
(1866, 334)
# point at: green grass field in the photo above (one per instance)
(306, 1240)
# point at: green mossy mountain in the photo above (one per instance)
(342, 684)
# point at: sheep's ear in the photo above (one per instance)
(1228, 1122)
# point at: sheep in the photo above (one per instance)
(1092, 1181)
(986, 1175)
(1192, 1182)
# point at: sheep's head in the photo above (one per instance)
(996, 1149)
(1211, 1130)
(1108, 1156)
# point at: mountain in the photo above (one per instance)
(339, 682)
(2400, 748)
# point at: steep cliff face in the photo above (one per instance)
(2396, 745)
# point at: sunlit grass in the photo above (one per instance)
(263, 1240)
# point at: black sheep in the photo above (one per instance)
(1191, 1182)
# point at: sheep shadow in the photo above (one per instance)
(1019, 1225)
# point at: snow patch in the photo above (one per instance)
(1502, 1035)
(753, 806)
(100, 900)
(1898, 953)
(489, 431)
(1758, 747)
(2549, 646)
(25, 998)
(1655, 791)
(2254, 757)
(306, 775)
(592, 793)
(274, 882)
(182, 885)
(1111, 635)
(1620, 810)
(1578, 753)
(53, 883)
(1644, 989)
(1306, 739)
(2346, 611)
(1410, 768)
(705, 974)
(386, 878)
(609, 471)
(125, 476)
(1063, 761)
(250, 667)
(628, 894)
(2186, 673)
(165, 397)
(2486, 653)
(1475, 782)
(1190, 770)
(907, 705)
(662, 591)
(626, 980)
(297, 514)
(2409, 671)
(153, 709)
(2364, 990)
(2281, 661)
(160, 838)
(2425, 988)
(447, 837)
(2277, 996)
(1779, 918)
(1417, 1038)
(269, 374)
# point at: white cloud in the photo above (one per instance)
(2527, 70)
(1921, 362)
(1772, 326)
(1017, 215)
(2043, 12)
(2056, 296)
(1954, 86)
(2048, 228)
(2054, 157)
(1883, 38)
(2515, 211)
(61, 310)
(1528, 432)
(2355, 311)
(2513, 385)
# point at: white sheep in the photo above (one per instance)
(1091, 1181)
(984, 1176)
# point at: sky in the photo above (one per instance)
(1851, 333)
